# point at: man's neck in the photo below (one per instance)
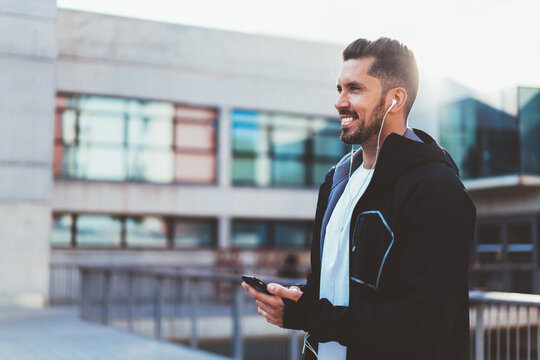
(369, 148)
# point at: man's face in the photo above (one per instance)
(360, 104)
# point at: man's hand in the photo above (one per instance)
(271, 306)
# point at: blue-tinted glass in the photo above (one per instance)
(249, 138)
(193, 233)
(482, 139)
(252, 171)
(291, 235)
(98, 231)
(289, 172)
(146, 232)
(151, 165)
(328, 146)
(61, 230)
(100, 163)
(289, 141)
(249, 233)
(320, 169)
(529, 128)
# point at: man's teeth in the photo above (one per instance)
(346, 120)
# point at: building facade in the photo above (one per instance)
(147, 143)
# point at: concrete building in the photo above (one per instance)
(166, 145)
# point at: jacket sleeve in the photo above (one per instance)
(434, 233)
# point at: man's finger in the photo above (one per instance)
(267, 308)
(284, 292)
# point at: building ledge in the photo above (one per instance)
(504, 181)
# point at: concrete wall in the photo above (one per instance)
(28, 50)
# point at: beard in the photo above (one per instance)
(365, 128)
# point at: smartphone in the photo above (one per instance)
(255, 283)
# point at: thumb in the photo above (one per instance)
(281, 291)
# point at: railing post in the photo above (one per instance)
(84, 294)
(157, 308)
(238, 341)
(106, 297)
(130, 301)
(293, 345)
(479, 331)
(194, 299)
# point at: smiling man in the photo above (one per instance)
(393, 229)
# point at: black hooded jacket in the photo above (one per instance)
(410, 241)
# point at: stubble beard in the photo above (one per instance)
(364, 130)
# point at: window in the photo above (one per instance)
(115, 139)
(149, 232)
(271, 233)
(190, 233)
(283, 150)
(61, 230)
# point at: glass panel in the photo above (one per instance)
(328, 146)
(151, 109)
(102, 104)
(195, 114)
(291, 235)
(285, 121)
(195, 136)
(489, 234)
(193, 233)
(150, 131)
(319, 171)
(326, 126)
(153, 166)
(98, 231)
(521, 281)
(146, 232)
(251, 171)
(482, 138)
(249, 138)
(198, 168)
(61, 230)
(102, 129)
(490, 247)
(100, 163)
(289, 142)
(289, 172)
(529, 128)
(249, 233)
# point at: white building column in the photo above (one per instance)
(224, 150)
(28, 52)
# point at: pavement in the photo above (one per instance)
(58, 334)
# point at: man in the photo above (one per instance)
(393, 229)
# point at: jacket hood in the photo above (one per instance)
(399, 155)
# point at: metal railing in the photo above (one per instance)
(504, 326)
(197, 308)
(212, 312)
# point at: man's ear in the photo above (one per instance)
(399, 94)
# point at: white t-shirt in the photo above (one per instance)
(335, 255)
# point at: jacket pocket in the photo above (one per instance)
(371, 241)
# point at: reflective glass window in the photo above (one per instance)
(98, 231)
(249, 233)
(149, 232)
(150, 132)
(274, 149)
(61, 230)
(100, 163)
(291, 234)
(102, 138)
(150, 165)
(529, 130)
(193, 233)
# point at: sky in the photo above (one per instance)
(487, 45)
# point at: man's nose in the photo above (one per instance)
(342, 102)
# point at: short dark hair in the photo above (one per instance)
(394, 65)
